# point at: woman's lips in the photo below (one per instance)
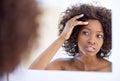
(90, 48)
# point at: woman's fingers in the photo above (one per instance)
(74, 21)
(82, 23)
(75, 18)
(78, 16)
(71, 24)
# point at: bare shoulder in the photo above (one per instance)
(107, 65)
(58, 64)
(107, 62)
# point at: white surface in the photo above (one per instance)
(63, 4)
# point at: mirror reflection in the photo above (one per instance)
(84, 35)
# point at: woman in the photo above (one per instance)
(85, 33)
(18, 32)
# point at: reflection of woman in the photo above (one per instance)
(85, 33)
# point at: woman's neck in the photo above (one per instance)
(88, 61)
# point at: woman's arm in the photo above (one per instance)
(43, 60)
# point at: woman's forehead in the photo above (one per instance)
(93, 25)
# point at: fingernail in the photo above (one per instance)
(82, 14)
(85, 22)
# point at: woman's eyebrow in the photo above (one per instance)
(86, 29)
(91, 29)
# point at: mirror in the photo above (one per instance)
(101, 47)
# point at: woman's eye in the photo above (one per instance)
(85, 33)
(99, 36)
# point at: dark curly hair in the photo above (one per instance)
(90, 11)
(18, 31)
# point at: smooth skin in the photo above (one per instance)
(90, 40)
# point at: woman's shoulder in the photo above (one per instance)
(58, 63)
(106, 62)
(64, 59)
(107, 65)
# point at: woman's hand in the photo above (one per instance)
(70, 26)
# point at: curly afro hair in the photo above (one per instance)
(18, 31)
(90, 11)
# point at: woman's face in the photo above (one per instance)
(90, 38)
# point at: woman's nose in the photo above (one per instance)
(91, 41)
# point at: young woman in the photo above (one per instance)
(18, 32)
(85, 34)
